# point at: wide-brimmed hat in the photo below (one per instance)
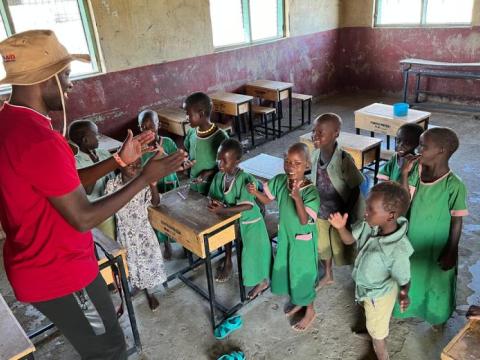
(34, 56)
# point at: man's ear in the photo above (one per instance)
(392, 215)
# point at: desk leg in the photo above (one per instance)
(372, 134)
(290, 109)
(238, 130)
(417, 87)
(274, 118)
(377, 164)
(309, 112)
(239, 246)
(357, 131)
(250, 124)
(405, 83)
(425, 123)
(388, 142)
(128, 301)
(211, 289)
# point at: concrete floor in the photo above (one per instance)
(181, 330)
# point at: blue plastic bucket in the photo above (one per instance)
(400, 109)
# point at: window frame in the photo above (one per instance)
(87, 23)
(247, 28)
(421, 24)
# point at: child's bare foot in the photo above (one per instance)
(153, 303)
(167, 252)
(224, 271)
(306, 321)
(325, 281)
(257, 290)
(473, 312)
(291, 309)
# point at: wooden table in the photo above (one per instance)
(465, 345)
(263, 166)
(234, 105)
(14, 343)
(173, 120)
(378, 118)
(275, 91)
(363, 149)
(183, 216)
(111, 255)
(107, 143)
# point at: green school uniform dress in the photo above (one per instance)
(295, 266)
(382, 262)
(204, 152)
(257, 251)
(432, 290)
(391, 171)
(170, 181)
(167, 183)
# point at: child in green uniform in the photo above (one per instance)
(382, 266)
(229, 196)
(435, 216)
(295, 266)
(407, 140)
(148, 120)
(338, 182)
(202, 141)
(83, 135)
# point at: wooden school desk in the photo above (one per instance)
(263, 166)
(378, 118)
(173, 120)
(107, 143)
(363, 149)
(14, 343)
(465, 345)
(111, 254)
(275, 91)
(235, 105)
(183, 216)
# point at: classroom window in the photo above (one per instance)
(67, 18)
(236, 22)
(423, 12)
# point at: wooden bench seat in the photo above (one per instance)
(304, 99)
(262, 110)
(301, 97)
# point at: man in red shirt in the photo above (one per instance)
(49, 252)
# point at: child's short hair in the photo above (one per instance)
(232, 145)
(153, 115)
(394, 196)
(300, 147)
(445, 138)
(329, 118)
(412, 131)
(77, 130)
(200, 102)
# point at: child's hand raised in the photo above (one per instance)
(408, 163)
(337, 220)
(295, 191)
(403, 300)
(252, 188)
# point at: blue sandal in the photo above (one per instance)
(227, 327)
(236, 355)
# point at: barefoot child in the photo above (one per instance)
(229, 196)
(382, 268)
(144, 257)
(436, 216)
(295, 266)
(83, 134)
(202, 141)
(337, 180)
(148, 120)
(407, 140)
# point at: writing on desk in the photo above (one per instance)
(380, 126)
